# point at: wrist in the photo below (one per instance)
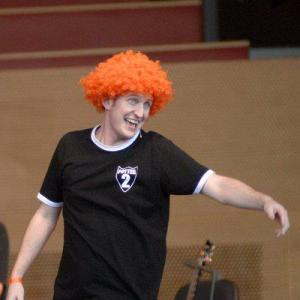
(267, 200)
(15, 279)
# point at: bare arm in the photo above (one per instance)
(40, 228)
(233, 192)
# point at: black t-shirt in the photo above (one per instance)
(116, 210)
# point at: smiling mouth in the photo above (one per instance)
(133, 123)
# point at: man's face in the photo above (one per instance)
(126, 115)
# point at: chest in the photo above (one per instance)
(111, 172)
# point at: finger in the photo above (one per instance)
(270, 213)
(279, 216)
(279, 233)
(285, 221)
(282, 217)
(286, 225)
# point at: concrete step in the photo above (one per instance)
(165, 53)
(71, 27)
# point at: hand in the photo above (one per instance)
(1, 289)
(15, 292)
(276, 211)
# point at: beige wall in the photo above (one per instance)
(239, 118)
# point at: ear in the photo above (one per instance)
(107, 104)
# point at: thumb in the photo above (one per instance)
(270, 212)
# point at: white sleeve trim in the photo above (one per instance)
(202, 181)
(49, 202)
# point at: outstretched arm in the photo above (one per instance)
(40, 227)
(233, 192)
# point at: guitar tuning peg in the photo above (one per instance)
(209, 243)
(208, 259)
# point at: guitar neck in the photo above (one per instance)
(205, 256)
(194, 280)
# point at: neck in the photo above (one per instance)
(104, 138)
(108, 138)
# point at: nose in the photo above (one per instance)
(139, 110)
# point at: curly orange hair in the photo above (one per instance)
(128, 72)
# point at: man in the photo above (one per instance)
(114, 182)
(4, 250)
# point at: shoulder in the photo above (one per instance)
(73, 140)
(155, 137)
(158, 142)
(78, 135)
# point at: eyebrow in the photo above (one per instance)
(139, 97)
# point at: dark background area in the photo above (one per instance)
(265, 23)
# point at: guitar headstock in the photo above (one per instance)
(206, 253)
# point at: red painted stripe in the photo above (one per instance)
(43, 3)
(201, 54)
(214, 54)
(98, 29)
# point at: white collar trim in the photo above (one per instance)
(112, 148)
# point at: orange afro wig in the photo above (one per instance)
(128, 72)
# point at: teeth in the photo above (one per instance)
(135, 122)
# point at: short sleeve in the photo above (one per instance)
(51, 190)
(180, 173)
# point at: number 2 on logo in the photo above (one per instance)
(126, 179)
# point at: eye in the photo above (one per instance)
(132, 101)
(148, 104)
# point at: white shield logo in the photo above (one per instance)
(126, 177)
